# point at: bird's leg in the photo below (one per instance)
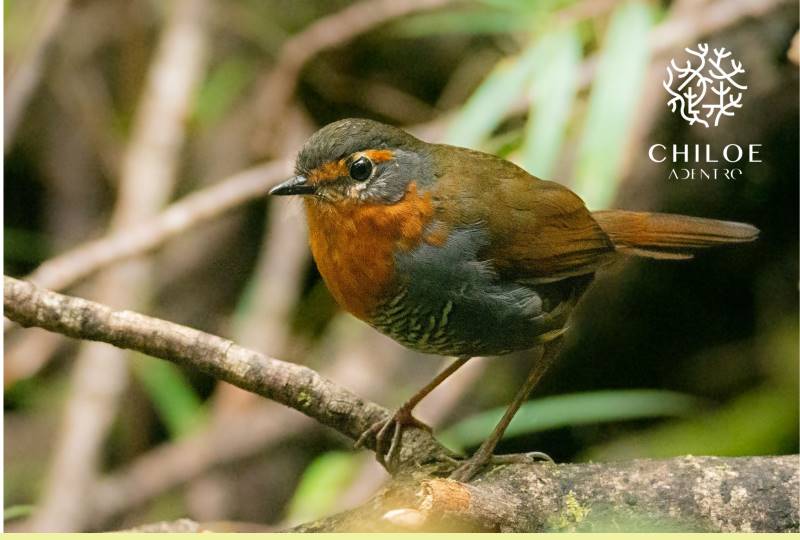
(483, 455)
(402, 418)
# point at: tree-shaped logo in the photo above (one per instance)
(705, 92)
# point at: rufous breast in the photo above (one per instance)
(354, 244)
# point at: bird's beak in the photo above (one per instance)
(296, 185)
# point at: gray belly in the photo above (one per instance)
(446, 301)
(439, 328)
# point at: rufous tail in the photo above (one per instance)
(669, 236)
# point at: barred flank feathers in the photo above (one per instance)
(669, 236)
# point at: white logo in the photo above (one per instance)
(707, 88)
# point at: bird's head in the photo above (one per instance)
(357, 160)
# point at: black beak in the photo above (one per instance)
(296, 185)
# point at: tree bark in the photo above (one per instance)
(698, 494)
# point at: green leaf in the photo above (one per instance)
(759, 422)
(176, 402)
(552, 95)
(18, 511)
(485, 109)
(321, 485)
(615, 94)
(573, 410)
(762, 421)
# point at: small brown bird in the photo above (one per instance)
(456, 252)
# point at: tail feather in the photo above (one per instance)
(669, 236)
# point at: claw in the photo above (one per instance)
(397, 423)
(470, 467)
(374, 428)
(527, 457)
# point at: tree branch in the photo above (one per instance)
(292, 385)
(686, 494)
(147, 178)
(700, 494)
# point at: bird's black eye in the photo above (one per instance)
(361, 169)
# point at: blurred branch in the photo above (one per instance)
(84, 96)
(147, 179)
(234, 437)
(292, 385)
(64, 270)
(709, 494)
(27, 354)
(696, 23)
(264, 320)
(24, 73)
(170, 465)
(278, 86)
(382, 98)
(204, 205)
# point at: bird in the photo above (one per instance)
(456, 252)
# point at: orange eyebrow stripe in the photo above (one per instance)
(334, 169)
(328, 171)
(377, 156)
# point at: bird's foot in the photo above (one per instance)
(468, 468)
(390, 432)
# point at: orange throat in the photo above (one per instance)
(354, 243)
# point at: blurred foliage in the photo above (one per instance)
(174, 399)
(548, 70)
(543, 83)
(764, 419)
(17, 512)
(572, 410)
(24, 246)
(320, 486)
(225, 84)
(612, 104)
(552, 97)
(487, 17)
(487, 107)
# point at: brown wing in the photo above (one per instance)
(539, 231)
